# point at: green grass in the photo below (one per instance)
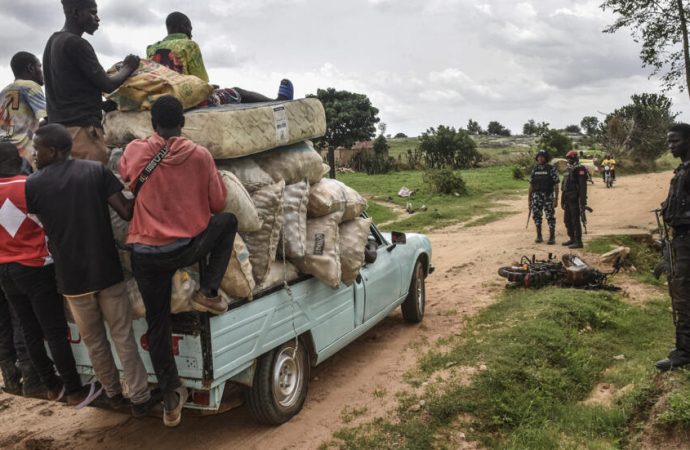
(643, 255)
(381, 214)
(400, 146)
(543, 352)
(485, 186)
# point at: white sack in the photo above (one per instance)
(238, 281)
(353, 238)
(293, 164)
(293, 239)
(278, 273)
(328, 196)
(248, 172)
(240, 203)
(322, 258)
(263, 244)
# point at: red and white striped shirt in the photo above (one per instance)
(22, 239)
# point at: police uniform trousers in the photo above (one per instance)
(679, 288)
(571, 217)
(542, 202)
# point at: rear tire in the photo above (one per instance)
(280, 384)
(415, 303)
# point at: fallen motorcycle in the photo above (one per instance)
(570, 271)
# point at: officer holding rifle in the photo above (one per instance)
(676, 214)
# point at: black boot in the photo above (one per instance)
(570, 241)
(31, 382)
(539, 239)
(676, 359)
(577, 243)
(12, 378)
(552, 236)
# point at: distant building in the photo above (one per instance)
(343, 155)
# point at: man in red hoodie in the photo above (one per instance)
(177, 222)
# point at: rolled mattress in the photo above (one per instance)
(231, 131)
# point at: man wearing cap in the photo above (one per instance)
(574, 199)
(75, 80)
(543, 195)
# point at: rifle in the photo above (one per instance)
(583, 216)
(529, 216)
(667, 263)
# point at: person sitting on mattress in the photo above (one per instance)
(180, 53)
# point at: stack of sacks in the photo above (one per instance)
(311, 223)
(330, 256)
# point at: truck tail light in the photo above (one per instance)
(202, 398)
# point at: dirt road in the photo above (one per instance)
(465, 281)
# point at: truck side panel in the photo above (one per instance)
(241, 335)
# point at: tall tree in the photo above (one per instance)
(589, 124)
(382, 128)
(474, 128)
(350, 117)
(496, 128)
(638, 130)
(661, 26)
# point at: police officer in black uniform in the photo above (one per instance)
(676, 210)
(543, 195)
(574, 199)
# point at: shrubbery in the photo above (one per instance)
(444, 181)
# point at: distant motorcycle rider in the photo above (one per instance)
(574, 199)
(543, 195)
(676, 211)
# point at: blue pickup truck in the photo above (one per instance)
(266, 347)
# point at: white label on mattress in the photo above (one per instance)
(280, 116)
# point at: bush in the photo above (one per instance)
(372, 164)
(555, 142)
(448, 147)
(518, 173)
(445, 181)
(400, 136)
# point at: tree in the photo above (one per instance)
(497, 129)
(400, 136)
(589, 124)
(637, 131)
(381, 146)
(529, 128)
(382, 128)
(474, 128)
(449, 148)
(661, 26)
(555, 142)
(573, 129)
(532, 128)
(350, 117)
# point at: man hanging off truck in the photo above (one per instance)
(574, 199)
(543, 195)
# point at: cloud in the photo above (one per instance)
(421, 62)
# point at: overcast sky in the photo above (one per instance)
(423, 63)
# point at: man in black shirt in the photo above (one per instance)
(75, 80)
(71, 199)
(676, 210)
(574, 199)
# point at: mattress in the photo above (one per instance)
(231, 131)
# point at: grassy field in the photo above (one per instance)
(528, 373)
(485, 186)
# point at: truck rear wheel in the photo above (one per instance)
(413, 306)
(280, 384)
